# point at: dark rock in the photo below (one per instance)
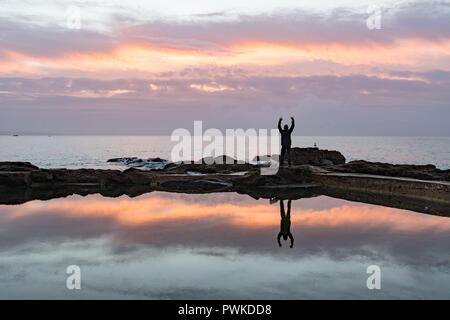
(284, 176)
(18, 195)
(113, 177)
(223, 159)
(171, 166)
(76, 176)
(422, 172)
(138, 177)
(41, 176)
(195, 186)
(326, 162)
(313, 156)
(17, 166)
(220, 166)
(389, 200)
(124, 160)
(292, 182)
(15, 179)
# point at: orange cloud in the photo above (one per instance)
(402, 52)
(413, 54)
(249, 214)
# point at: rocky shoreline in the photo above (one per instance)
(314, 172)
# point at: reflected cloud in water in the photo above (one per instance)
(163, 245)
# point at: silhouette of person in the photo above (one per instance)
(286, 140)
(285, 226)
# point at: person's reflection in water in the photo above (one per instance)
(285, 227)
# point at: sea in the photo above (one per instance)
(94, 151)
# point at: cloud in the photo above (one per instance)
(301, 62)
(50, 42)
(343, 26)
(160, 221)
(411, 34)
(214, 85)
(353, 105)
(435, 76)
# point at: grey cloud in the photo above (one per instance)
(341, 26)
(338, 88)
(432, 75)
(324, 105)
(429, 21)
(39, 41)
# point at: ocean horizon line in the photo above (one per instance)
(159, 135)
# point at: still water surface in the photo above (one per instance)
(177, 246)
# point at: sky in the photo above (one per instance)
(150, 67)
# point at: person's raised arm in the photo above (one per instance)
(292, 124)
(279, 239)
(289, 209)
(279, 124)
(282, 212)
(292, 240)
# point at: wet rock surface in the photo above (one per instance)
(145, 164)
(210, 165)
(17, 166)
(284, 176)
(422, 172)
(209, 168)
(23, 174)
